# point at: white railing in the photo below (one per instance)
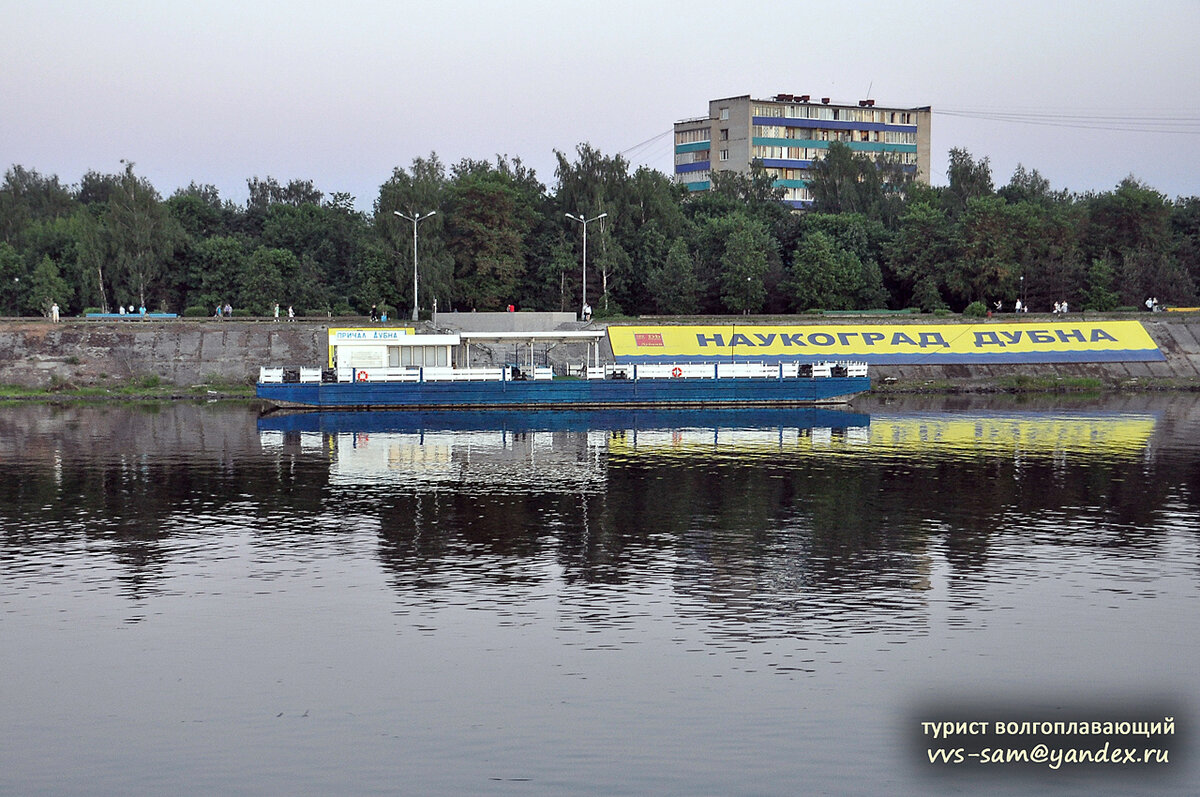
(444, 374)
(724, 370)
(541, 372)
(856, 369)
(428, 374)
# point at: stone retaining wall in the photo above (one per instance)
(35, 353)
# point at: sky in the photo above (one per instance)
(341, 93)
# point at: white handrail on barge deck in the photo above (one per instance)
(345, 373)
(783, 370)
(278, 374)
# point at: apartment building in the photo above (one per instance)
(789, 132)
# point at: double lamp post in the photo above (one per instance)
(585, 223)
(414, 218)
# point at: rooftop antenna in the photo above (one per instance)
(869, 87)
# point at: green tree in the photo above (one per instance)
(969, 179)
(824, 275)
(12, 271)
(374, 279)
(1029, 186)
(57, 239)
(1049, 253)
(866, 239)
(673, 285)
(96, 188)
(27, 197)
(1100, 295)
(756, 189)
(93, 249)
(1132, 227)
(743, 267)
(264, 281)
(46, 286)
(926, 296)
(1185, 236)
(142, 235)
(199, 212)
(596, 184)
(921, 253)
(847, 182)
(552, 281)
(987, 267)
(415, 193)
(268, 192)
(220, 266)
(488, 217)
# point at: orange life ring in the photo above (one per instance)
(361, 376)
(677, 372)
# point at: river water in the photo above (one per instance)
(197, 600)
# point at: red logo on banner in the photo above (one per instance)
(648, 339)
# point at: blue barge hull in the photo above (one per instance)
(341, 421)
(559, 393)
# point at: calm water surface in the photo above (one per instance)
(194, 600)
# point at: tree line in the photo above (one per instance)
(873, 239)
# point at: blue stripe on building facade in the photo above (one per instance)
(830, 124)
(786, 163)
(698, 166)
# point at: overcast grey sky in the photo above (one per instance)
(340, 93)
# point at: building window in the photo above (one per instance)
(724, 114)
(724, 133)
(724, 154)
(691, 136)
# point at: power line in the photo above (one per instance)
(1185, 125)
(648, 142)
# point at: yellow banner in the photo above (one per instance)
(991, 342)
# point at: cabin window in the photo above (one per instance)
(419, 356)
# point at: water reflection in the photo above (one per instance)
(643, 570)
(768, 522)
(726, 505)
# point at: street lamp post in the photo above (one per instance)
(414, 218)
(585, 223)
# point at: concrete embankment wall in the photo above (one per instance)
(81, 353)
(35, 353)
